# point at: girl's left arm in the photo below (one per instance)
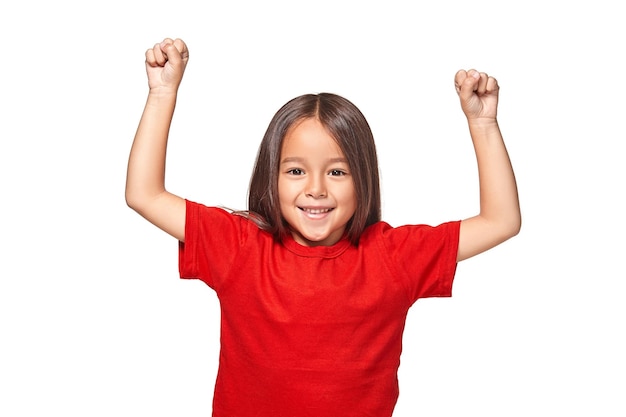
(499, 218)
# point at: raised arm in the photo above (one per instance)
(499, 218)
(145, 179)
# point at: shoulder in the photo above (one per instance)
(410, 242)
(384, 232)
(221, 223)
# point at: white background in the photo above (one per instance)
(93, 318)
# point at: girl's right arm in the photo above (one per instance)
(145, 179)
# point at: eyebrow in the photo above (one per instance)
(299, 159)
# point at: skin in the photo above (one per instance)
(315, 188)
(498, 219)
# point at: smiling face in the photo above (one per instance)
(315, 186)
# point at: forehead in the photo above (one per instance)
(310, 137)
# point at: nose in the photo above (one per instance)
(316, 187)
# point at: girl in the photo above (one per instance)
(314, 288)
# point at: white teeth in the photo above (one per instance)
(316, 211)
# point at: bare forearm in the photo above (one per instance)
(498, 188)
(146, 164)
(499, 218)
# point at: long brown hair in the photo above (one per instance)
(347, 125)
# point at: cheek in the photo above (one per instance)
(349, 196)
(285, 191)
(354, 203)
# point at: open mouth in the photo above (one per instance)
(315, 211)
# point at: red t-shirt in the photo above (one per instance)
(312, 331)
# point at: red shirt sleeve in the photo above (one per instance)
(425, 256)
(213, 237)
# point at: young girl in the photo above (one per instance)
(314, 288)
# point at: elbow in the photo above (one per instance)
(141, 201)
(129, 196)
(133, 200)
(505, 228)
(129, 201)
(138, 197)
(518, 226)
(513, 227)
